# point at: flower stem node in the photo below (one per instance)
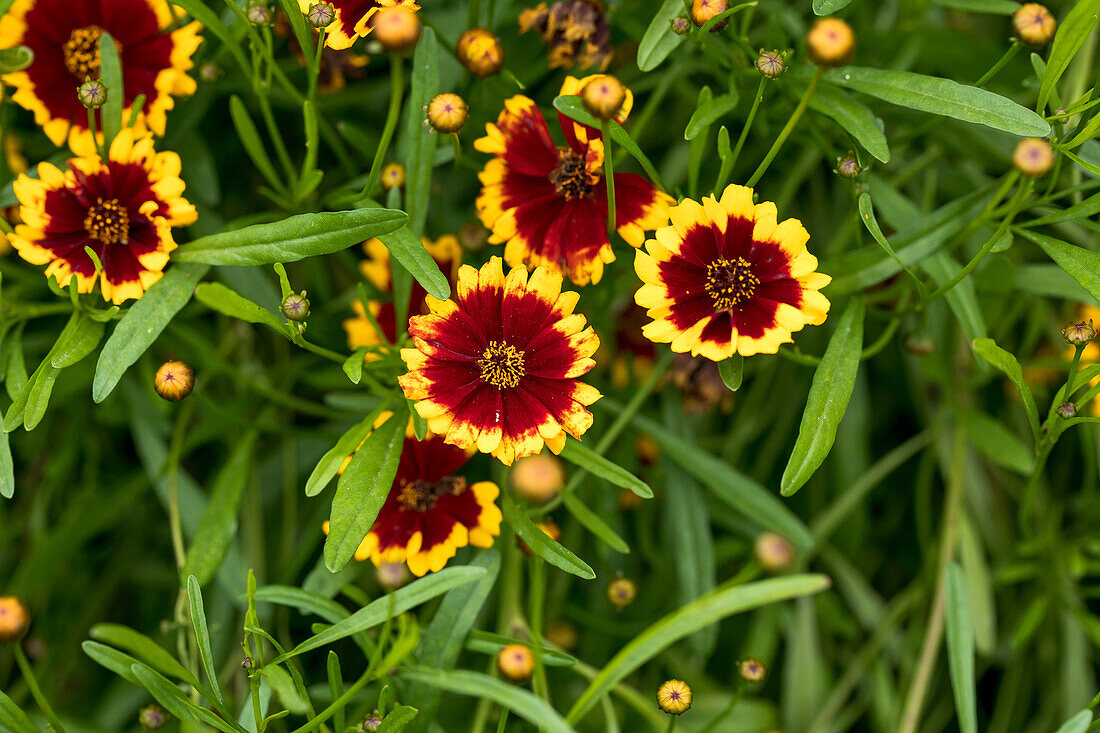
(152, 717)
(92, 93)
(14, 619)
(674, 697)
(258, 13)
(752, 671)
(174, 380)
(397, 28)
(848, 166)
(393, 176)
(704, 10)
(1067, 410)
(771, 64)
(1033, 157)
(603, 96)
(295, 307)
(320, 15)
(538, 478)
(516, 662)
(680, 25)
(448, 113)
(1033, 24)
(622, 592)
(831, 42)
(1079, 334)
(774, 552)
(480, 52)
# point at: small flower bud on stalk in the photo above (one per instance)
(752, 671)
(771, 64)
(392, 575)
(393, 176)
(321, 15)
(92, 93)
(622, 592)
(396, 28)
(830, 42)
(447, 113)
(1033, 24)
(516, 662)
(258, 13)
(14, 619)
(480, 52)
(674, 697)
(604, 96)
(848, 166)
(1033, 157)
(680, 25)
(538, 478)
(174, 380)
(1079, 334)
(295, 307)
(774, 552)
(1067, 410)
(704, 10)
(372, 722)
(152, 717)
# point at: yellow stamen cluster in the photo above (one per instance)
(108, 221)
(730, 283)
(81, 52)
(501, 365)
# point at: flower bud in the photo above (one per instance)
(396, 28)
(480, 52)
(174, 380)
(1067, 410)
(680, 25)
(674, 697)
(752, 671)
(209, 71)
(537, 478)
(295, 307)
(604, 96)
(152, 717)
(704, 10)
(774, 552)
(830, 42)
(321, 15)
(1079, 334)
(14, 619)
(393, 175)
(392, 575)
(92, 93)
(258, 13)
(447, 113)
(563, 635)
(1033, 24)
(771, 64)
(622, 592)
(848, 166)
(1033, 157)
(516, 662)
(373, 721)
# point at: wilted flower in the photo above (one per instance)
(1033, 24)
(622, 592)
(603, 96)
(516, 662)
(174, 380)
(674, 697)
(14, 619)
(830, 42)
(480, 52)
(770, 64)
(575, 30)
(1033, 156)
(447, 113)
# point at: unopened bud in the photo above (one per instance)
(373, 721)
(674, 697)
(848, 166)
(622, 592)
(516, 662)
(396, 28)
(14, 619)
(295, 307)
(392, 575)
(774, 552)
(447, 113)
(92, 93)
(752, 670)
(1033, 157)
(174, 380)
(258, 13)
(1079, 334)
(321, 15)
(1067, 410)
(563, 635)
(680, 25)
(1033, 24)
(771, 64)
(152, 717)
(830, 42)
(209, 71)
(604, 96)
(537, 478)
(480, 52)
(393, 176)
(704, 10)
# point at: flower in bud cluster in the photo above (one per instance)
(1079, 334)
(258, 13)
(680, 25)
(1033, 24)
(1033, 157)
(151, 717)
(397, 28)
(674, 697)
(516, 662)
(774, 552)
(830, 42)
(447, 113)
(92, 93)
(321, 15)
(14, 619)
(848, 166)
(393, 176)
(752, 671)
(1067, 410)
(603, 96)
(771, 64)
(372, 722)
(622, 592)
(295, 307)
(537, 478)
(174, 380)
(704, 10)
(480, 52)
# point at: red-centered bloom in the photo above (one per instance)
(124, 210)
(725, 278)
(431, 510)
(353, 18)
(497, 367)
(64, 35)
(548, 204)
(447, 253)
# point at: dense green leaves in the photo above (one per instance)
(709, 110)
(224, 300)
(1083, 265)
(331, 461)
(1072, 33)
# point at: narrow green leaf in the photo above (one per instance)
(253, 143)
(554, 553)
(202, 635)
(227, 301)
(77, 341)
(687, 523)
(14, 719)
(112, 659)
(7, 467)
(1079, 723)
(110, 71)
(304, 601)
(867, 216)
(336, 689)
(283, 686)
(292, 239)
(330, 463)
(15, 59)
(854, 118)
(572, 107)
(994, 7)
(362, 489)
(828, 7)
(1083, 265)
(993, 354)
(38, 398)
(142, 324)
(485, 642)
(353, 365)
(1072, 33)
(997, 442)
(960, 648)
(576, 453)
(941, 97)
(397, 719)
(1087, 208)
(709, 112)
(174, 701)
(145, 649)
(685, 621)
(732, 371)
(659, 39)
(407, 249)
(834, 380)
(420, 141)
(592, 521)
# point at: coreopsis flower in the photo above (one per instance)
(548, 204)
(496, 368)
(674, 697)
(64, 36)
(353, 18)
(575, 30)
(123, 209)
(447, 254)
(725, 278)
(431, 510)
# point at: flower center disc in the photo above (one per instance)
(421, 496)
(108, 221)
(501, 365)
(82, 52)
(570, 178)
(730, 283)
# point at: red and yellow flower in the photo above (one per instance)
(123, 209)
(496, 368)
(726, 278)
(548, 204)
(431, 510)
(64, 36)
(447, 253)
(353, 18)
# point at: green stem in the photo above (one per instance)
(1073, 371)
(315, 70)
(36, 691)
(671, 724)
(536, 603)
(397, 88)
(609, 176)
(788, 128)
(100, 146)
(734, 699)
(999, 65)
(727, 167)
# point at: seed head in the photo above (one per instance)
(1033, 24)
(704, 10)
(771, 64)
(152, 717)
(480, 52)
(397, 28)
(752, 671)
(321, 15)
(674, 697)
(604, 96)
(92, 93)
(830, 42)
(174, 380)
(1033, 157)
(393, 175)
(774, 552)
(516, 662)
(295, 307)
(622, 592)
(448, 113)
(537, 478)
(14, 619)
